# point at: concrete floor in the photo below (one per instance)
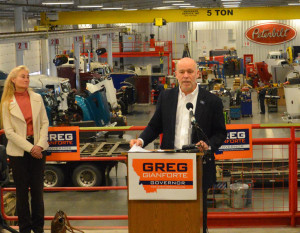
(115, 202)
(228, 230)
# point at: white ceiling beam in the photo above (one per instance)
(14, 37)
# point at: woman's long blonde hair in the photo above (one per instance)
(9, 87)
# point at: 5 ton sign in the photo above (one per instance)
(219, 12)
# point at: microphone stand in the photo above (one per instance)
(191, 148)
(207, 153)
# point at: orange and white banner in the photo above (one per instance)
(162, 176)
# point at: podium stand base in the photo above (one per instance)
(165, 216)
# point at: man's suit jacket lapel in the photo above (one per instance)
(173, 110)
(200, 107)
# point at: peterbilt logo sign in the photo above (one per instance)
(271, 33)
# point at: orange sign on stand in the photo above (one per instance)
(63, 144)
(153, 171)
(238, 143)
(162, 176)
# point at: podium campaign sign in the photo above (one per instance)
(162, 176)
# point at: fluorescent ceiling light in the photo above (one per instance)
(230, 6)
(181, 4)
(58, 3)
(186, 6)
(294, 4)
(90, 6)
(163, 7)
(130, 9)
(171, 1)
(112, 8)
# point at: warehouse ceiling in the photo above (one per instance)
(32, 8)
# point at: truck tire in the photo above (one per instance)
(86, 175)
(53, 176)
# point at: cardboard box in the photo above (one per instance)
(235, 87)
(281, 101)
(237, 80)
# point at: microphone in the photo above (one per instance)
(190, 107)
(199, 131)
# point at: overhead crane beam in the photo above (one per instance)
(180, 15)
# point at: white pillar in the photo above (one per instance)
(77, 61)
(95, 47)
(95, 44)
(190, 39)
(44, 57)
(109, 50)
(19, 28)
(53, 69)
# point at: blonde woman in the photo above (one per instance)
(25, 122)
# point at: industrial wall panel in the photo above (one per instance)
(7, 57)
(8, 51)
(6, 25)
(240, 27)
(178, 34)
(209, 39)
(65, 44)
(32, 57)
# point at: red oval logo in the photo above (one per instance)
(271, 33)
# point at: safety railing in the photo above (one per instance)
(265, 187)
(268, 191)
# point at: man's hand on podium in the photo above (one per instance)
(138, 142)
(202, 146)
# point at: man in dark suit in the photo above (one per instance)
(171, 119)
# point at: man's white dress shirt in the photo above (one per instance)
(182, 117)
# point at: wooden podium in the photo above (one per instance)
(168, 216)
